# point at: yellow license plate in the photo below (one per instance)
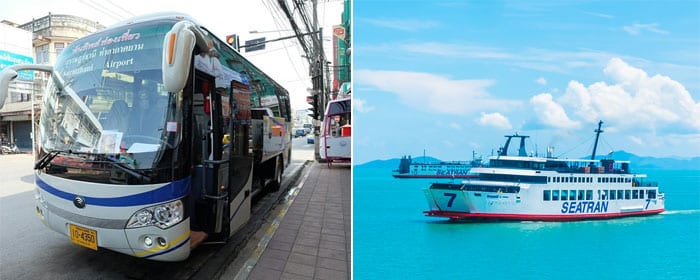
(83, 236)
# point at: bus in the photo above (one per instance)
(335, 137)
(154, 136)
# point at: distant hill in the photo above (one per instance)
(637, 162)
(656, 163)
(394, 162)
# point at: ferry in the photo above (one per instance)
(525, 188)
(444, 170)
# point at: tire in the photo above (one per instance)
(277, 179)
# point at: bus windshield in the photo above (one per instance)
(106, 96)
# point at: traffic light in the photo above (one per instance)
(232, 40)
(313, 101)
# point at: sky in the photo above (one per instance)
(281, 60)
(452, 77)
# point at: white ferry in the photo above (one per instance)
(546, 189)
(454, 169)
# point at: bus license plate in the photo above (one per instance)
(83, 236)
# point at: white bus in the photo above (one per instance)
(154, 135)
(335, 140)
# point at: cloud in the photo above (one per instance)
(600, 15)
(455, 50)
(361, 106)
(541, 81)
(636, 140)
(550, 113)
(496, 120)
(402, 24)
(634, 101)
(433, 93)
(637, 28)
(548, 60)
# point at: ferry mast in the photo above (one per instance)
(597, 134)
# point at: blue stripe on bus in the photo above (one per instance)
(168, 192)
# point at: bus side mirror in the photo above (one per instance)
(6, 76)
(177, 56)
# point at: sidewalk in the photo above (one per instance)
(313, 238)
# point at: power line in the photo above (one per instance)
(105, 12)
(120, 7)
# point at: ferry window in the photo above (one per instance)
(627, 194)
(652, 194)
(555, 195)
(572, 195)
(549, 179)
(620, 194)
(635, 194)
(564, 194)
(580, 194)
(641, 194)
(605, 195)
(598, 179)
(546, 196)
(589, 194)
(612, 194)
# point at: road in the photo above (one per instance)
(29, 250)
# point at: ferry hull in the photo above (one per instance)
(462, 216)
(432, 176)
(522, 203)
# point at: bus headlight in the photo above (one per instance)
(163, 215)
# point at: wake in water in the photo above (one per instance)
(674, 212)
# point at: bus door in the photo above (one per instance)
(237, 122)
(210, 178)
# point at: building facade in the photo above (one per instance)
(42, 40)
(341, 53)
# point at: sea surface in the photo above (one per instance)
(392, 239)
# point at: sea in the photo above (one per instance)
(392, 239)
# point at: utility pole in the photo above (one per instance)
(318, 80)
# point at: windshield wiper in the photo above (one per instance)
(46, 159)
(128, 170)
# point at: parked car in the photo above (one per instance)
(298, 132)
(308, 127)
